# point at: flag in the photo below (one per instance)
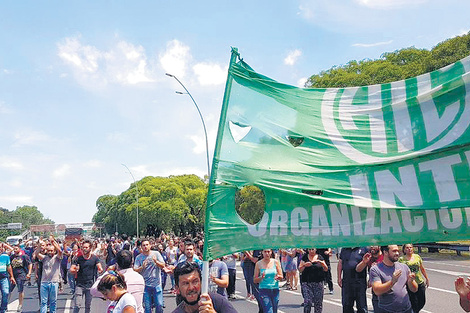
(342, 167)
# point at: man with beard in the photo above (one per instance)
(22, 267)
(50, 275)
(85, 266)
(371, 258)
(389, 280)
(149, 264)
(188, 286)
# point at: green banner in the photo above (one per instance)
(342, 167)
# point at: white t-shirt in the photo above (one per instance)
(118, 306)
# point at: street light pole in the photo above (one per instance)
(202, 120)
(137, 196)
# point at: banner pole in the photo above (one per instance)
(205, 277)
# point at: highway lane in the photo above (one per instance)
(441, 296)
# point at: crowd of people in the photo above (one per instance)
(133, 275)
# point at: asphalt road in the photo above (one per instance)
(441, 296)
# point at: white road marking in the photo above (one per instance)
(452, 273)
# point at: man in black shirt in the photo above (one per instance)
(188, 285)
(86, 267)
(352, 282)
(22, 267)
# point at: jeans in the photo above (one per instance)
(269, 300)
(153, 296)
(80, 293)
(49, 296)
(5, 289)
(248, 273)
(71, 278)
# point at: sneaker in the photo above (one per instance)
(20, 308)
(331, 292)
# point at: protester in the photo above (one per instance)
(326, 254)
(353, 283)
(291, 269)
(415, 263)
(313, 268)
(171, 252)
(231, 262)
(371, 258)
(50, 275)
(85, 267)
(5, 272)
(113, 287)
(268, 272)
(389, 281)
(149, 264)
(134, 281)
(22, 267)
(218, 277)
(188, 286)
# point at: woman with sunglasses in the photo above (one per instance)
(268, 273)
(313, 268)
(113, 287)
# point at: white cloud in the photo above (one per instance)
(210, 74)
(292, 57)
(124, 63)
(30, 137)
(15, 200)
(301, 82)
(118, 137)
(11, 164)
(370, 45)
(389, 4)
(62, 171)
(93, 164)
(176, 58)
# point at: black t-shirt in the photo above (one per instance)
(314, 273)
(221, 304)
(87, 271)
(19, 265)
(110, 251)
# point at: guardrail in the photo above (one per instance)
(433, 247)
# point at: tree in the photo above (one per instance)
(393, 66)
(171, 204)
(250, 203)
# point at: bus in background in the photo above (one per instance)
(73, 234)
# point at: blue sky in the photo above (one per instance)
(83, 87)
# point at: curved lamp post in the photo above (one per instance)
(202, 120)
(137, 196)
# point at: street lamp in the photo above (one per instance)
(137, 196)
(202, 120)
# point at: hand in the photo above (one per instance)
(462, 287)
(205, 304)
(308, 264)
(12, 280)
(411, 277)
(395, 276)
(340, 282)
(366, 258)
(427, 282)
(28, 276)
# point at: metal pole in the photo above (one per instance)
(202, 120)
(137, 196)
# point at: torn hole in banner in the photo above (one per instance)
(250, 202)
(238, 130)
(295, 140)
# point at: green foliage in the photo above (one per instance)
(27, 215)
(393, 66)
(250, 203)
(172, 204)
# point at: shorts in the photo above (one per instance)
(19, 284)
